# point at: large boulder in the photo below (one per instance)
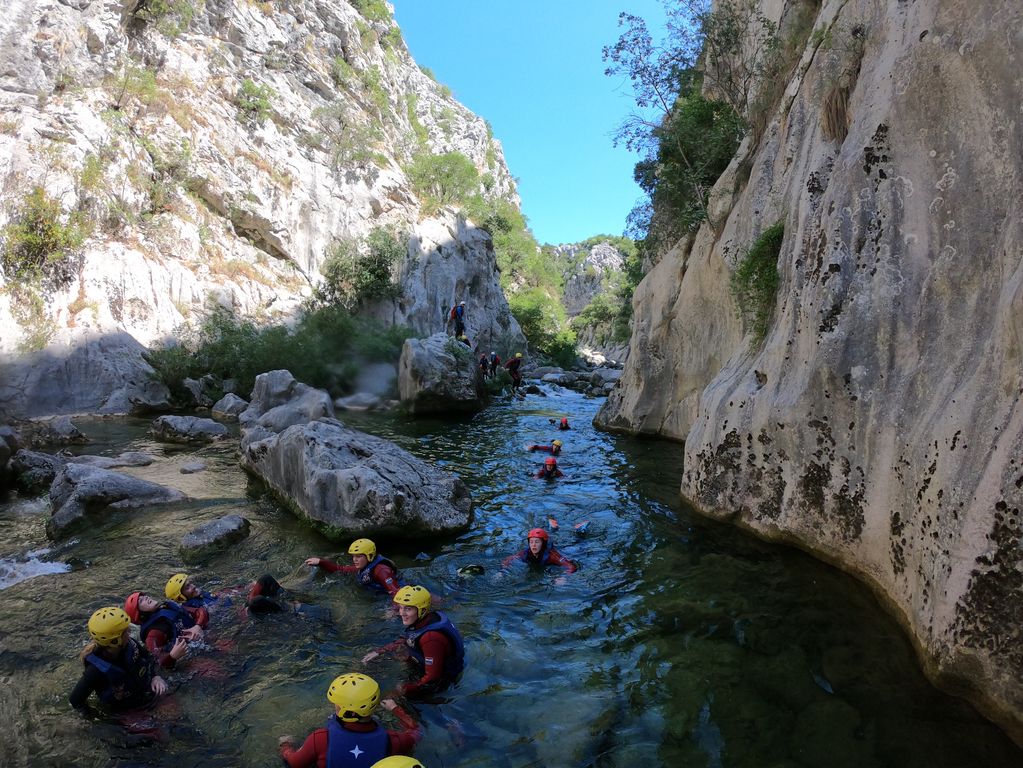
(229, 407)
(33, 472)
(80, 491)
(349, 483)
(213, 536)
(438, 375)
(103, 375)
(187, 429)
(278, 402)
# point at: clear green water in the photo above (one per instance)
(680, 642)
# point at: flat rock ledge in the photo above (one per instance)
(80, 492)
(187, 429)
(213, 537)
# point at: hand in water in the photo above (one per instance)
(158, 686)
(312, 561)
(560, 581)
(282, 740)
(192, 633)
(369, 657)
(389, 704)
(179, 649)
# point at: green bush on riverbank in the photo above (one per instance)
(323, 350)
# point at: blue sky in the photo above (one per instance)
(533, 69)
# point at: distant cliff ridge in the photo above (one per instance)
(214, 151)
(879, 422)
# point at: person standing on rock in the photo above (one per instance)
(457, 316)
(371, 570)
(549, 470)
(512, 366)
(495, 363)
(484, 366)
(538, 552)
(435, 648)
(120, 671)
(351, 737)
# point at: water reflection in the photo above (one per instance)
(679, 641)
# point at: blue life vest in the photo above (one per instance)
(365, 575)
(453, 664)
(527, 557)
(128, 678)
(204, 599)
(346, 749)
(173, 614)
(459, 311)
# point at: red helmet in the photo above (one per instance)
(538, 533)
(131, 607)
(564, 421)
(550, 461)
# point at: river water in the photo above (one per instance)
(679, 642)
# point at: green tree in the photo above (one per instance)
(354, 274)
(445, 179)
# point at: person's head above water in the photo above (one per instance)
(550, 462)
(537, 539)
(362, 551)
(413, 603)
(109, 627)
(139, 603)
(355, 696)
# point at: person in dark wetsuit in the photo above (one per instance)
(538, 552)
(457, 316)
(563, 424)
(165, 628)
(371, 570)
(549, 470)
(512, 366)
(263, 594)
(554, 448)
(117, 668)
(495, 363)
(435, 648)
(352, 737)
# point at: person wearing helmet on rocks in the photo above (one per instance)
(165, 627)
(539, 552)
(512, 366)
(457, 316)
(436, 651)
(484, 366)
(554, 448)
(495, 363)
(371, 570)
(118, 669)
(465, 340)
(398, 761)
(263, 594)
(549, 470)
(351, 737)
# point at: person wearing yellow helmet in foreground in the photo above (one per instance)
(371, 570)
(435, 648)
(352, 737)
(398, 761)
(117, 667)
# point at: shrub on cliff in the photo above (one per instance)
(542, 319)
(354, 273)
(445, 179)
(41, 241)
(754, 283)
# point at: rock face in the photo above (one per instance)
(104, 374)
(880, 421)
(213, 536)
(343, 481)
(80, 491)
(187, 429)
(271, 131)
(439, 375)
(595, 270)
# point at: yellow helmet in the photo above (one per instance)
(397, 761)
(417, 596)
(107, 626)
(518, 354)
(174, 586)
(354, 695)
(363, 547)
(556, 443)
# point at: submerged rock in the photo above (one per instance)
(79, 491)
(187, 429)
(191, 467)
(126, 459)
(213, 536)
(343, 481)
(33, 472)
(438, 375)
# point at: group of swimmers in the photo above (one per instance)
(124, 673)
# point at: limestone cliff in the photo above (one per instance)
(595, 269)
(214, 151)
(879, 424)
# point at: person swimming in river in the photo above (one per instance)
(549, 470)
(563, 424)
(371, 570)
(554, 448)
(263, 595)
(118, 669)
(166, 628)
(539, 552)
(436, 652)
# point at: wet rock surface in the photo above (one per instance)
(187, 429)
(438, 375)
(213, 537)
